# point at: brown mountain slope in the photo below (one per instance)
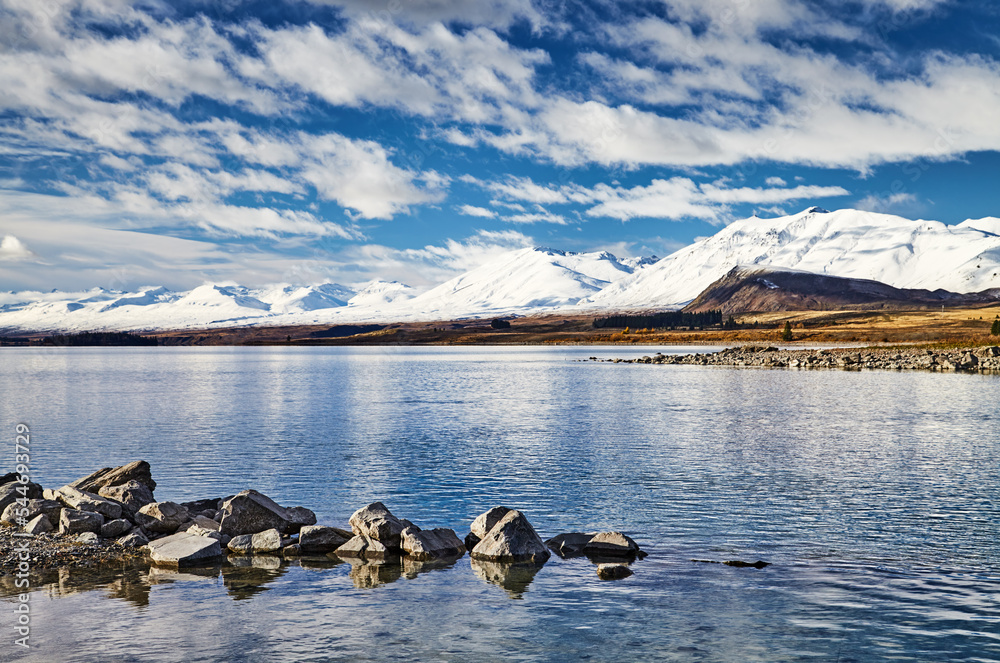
(762, 289)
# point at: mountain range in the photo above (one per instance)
(880, 249)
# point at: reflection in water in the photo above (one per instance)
(366, 574)
(514, 577)
(247, 576)
(413, 567)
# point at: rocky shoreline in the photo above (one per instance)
(970, 360)
(111, 520)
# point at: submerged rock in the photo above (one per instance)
(429, 544)
(184, 549)
(511, 539)
(613, 571)
(611, 544)
(570, 544)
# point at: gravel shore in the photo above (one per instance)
(971, 360)
(50, 550)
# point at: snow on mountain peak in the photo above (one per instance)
(848, 243)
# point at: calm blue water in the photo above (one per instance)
(874, 495)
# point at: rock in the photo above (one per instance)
(115, 528)
(33, 508)
(11, 492)
(260, 542)
(429, 544)
(197, 506)
(611, 544)
(471, 540)
(292, 550)
(487, 521)
(132, 495)
(321, 539)
(747, 565)
(134, 539)
(38, 525)
(86, 501)
(376, 522)
(570, 544)
(87, 537)
(116, 476)
(184, 549)
(363, 547)
(201, 531)
(73, 521)
(299, 517)
(613, 571)
(250, 512)
(206, 523)
(511, 539)
(163, 517)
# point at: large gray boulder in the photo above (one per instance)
(134, 539)
(133, 495)
(487, 521)
(512, 539)
(183, 549)
(40, 524)
(299, 517)
(115, 528)
(138, 470)
(81, 500)
(162, 517)
(364, 547)
(15, 512)
(321, 539)
(376, 522)
(262, 542)
(430, 544)
(249, 512)
(73, 521)
(11, 492)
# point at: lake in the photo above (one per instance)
(874, 496)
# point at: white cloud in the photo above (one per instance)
(481, 212)
(775, 181)
(676, 198)
(12, 249)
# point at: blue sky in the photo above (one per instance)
(176, 143)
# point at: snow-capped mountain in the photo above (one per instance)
(847, 243)
(380, 294)
(522, 281)
(964, 258)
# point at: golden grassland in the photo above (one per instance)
(950, 327)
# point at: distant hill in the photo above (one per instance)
(764, 289)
